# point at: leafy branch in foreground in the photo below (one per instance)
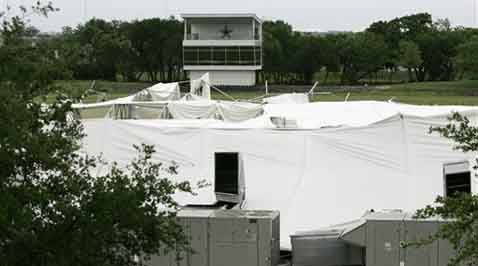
(55, 208)
(459, 210)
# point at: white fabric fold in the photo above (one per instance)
(393, 163)
(288, 98)
(238, 112)
(192, 110)
(165, 92)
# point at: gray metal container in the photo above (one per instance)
(384, 237)
(323, 248)
(228, 237)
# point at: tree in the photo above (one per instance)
(467, 58)
(461, 210)
(272, 54)
(100, 50)
(391, 33)
(438, 50)
(410, 57)
(53, 210)
(277, 54)
(414, 26)
(156, 46)
(306, 60)
(362, 55)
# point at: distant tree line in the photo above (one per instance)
(426, 50)
(151, 50)
(148, 49)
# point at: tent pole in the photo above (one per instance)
(347, 97)
(313, 88)
(257, 98)
(223, 93)
(220, 91)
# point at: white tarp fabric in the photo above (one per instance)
(165, 92)
(237, 111)
(123, 100)
(192, 109)
(289, 98)
(228, 111)
(202, 86)
(359, 113)
(314, 177)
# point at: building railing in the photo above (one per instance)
(236, 55)
(233, 37)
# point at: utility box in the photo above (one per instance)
(227, 237)
(377, 239)
(324, 248)
(384, 236)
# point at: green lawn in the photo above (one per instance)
(440, 93)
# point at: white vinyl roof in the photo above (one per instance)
(347, 157)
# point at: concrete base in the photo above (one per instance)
(227, 77)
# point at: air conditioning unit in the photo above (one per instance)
(227, 238)
(457, 178)
(229, 183)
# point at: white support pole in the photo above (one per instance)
(267, 88)
(223, 93)
(185, 29)
(220, 91)
(347, 96)
(313, 88)
(255, 99)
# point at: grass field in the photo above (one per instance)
(430, 93)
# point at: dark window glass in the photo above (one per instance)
(247, 56)
(458, 183)
(219, 56)
(204, 54)
(227, 173)
(190, 56)
(258, 55)
(233, 55)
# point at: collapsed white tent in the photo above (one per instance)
(163, 101)
(350, 157)
(288, 98)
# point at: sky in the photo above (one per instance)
(308, 15)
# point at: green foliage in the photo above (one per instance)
(54, 208)
(104, 50)
(460, 210)
(410, 56)
(155, 47)
(467, 58)
(151, 49)
(361, 55)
